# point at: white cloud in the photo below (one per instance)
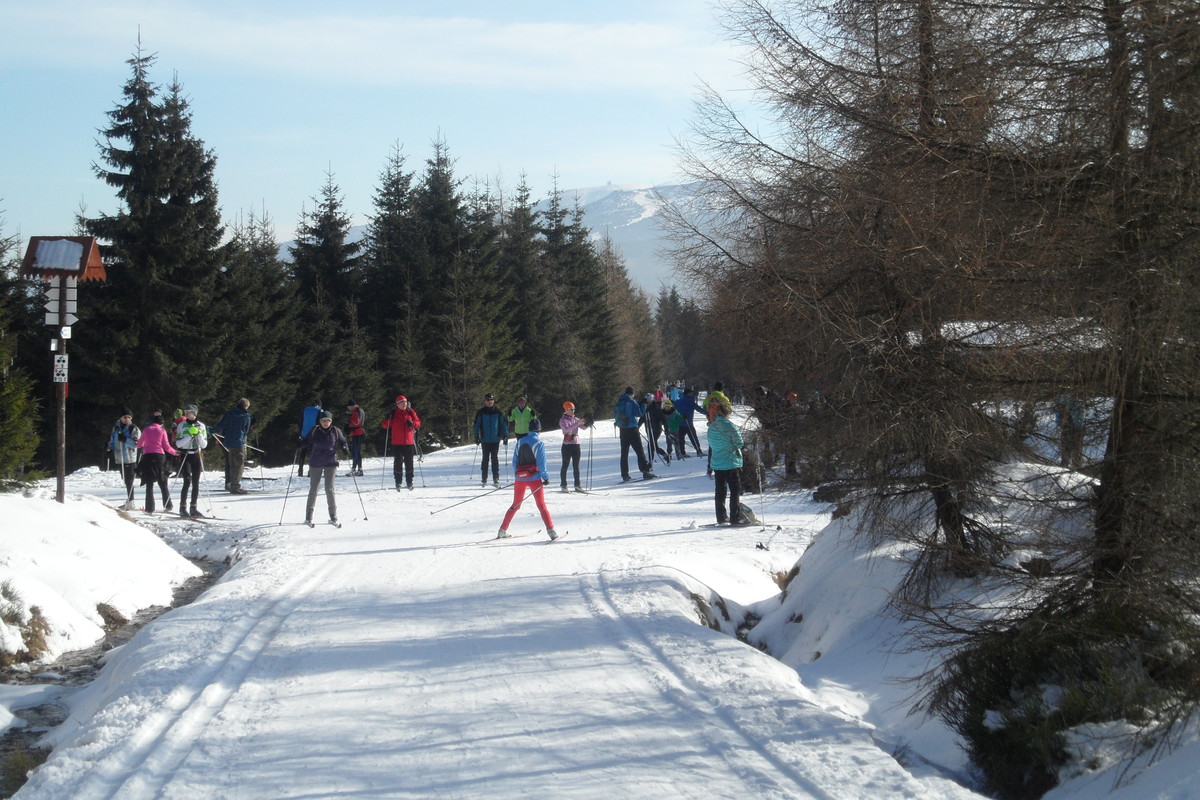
(382, 49)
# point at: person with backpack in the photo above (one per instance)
(529, 465)
(571, 425)
(402, 423)
(356, 424)
(726, 444)
(308, 420)
(323, 442)
(627, 415)
(490, 429)
(122, 444)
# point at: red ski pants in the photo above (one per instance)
(539, 497)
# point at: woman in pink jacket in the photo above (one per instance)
(155, 446)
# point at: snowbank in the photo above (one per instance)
(67, 559)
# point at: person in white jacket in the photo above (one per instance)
(191, 437)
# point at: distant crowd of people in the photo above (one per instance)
(660, 423)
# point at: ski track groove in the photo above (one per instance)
(686, 694)
(165, 739)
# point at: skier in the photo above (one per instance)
(308, 418)
(726, 445)
(155, 446)
(676, 429)
(122, 444)
(234, 427)
(191, 437)
(627, 414)
(529, 465)
(490, 429)
(654, 426)
(356, 424)
(322, 443)
(520, 416)
(402, 423)
(571, 450)
(686, 405)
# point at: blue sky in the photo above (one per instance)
(283, 92)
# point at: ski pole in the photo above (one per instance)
(506, 459)
(383, 472)
(420, 459)
(589, 463)
(469, 499)
(356, 491)
(288, 491)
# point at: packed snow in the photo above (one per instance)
(408, 654)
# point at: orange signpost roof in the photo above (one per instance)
(69, 256)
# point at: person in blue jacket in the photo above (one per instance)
(233, 428)
(490, 429)
(627, 414)
(529, 465)
(308, 420)
(726, 443)
(686, 406)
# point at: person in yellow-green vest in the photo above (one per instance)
(520, 416)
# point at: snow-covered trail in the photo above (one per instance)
(407, 655)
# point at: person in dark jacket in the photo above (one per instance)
(490, 429)
(322, 444)
(687, 408)
(627, 415)
(233, 428)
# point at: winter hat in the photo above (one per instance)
(125, 412)
(178, 413)
(401, 399)
(191, 409)
(535, 424)
(668, 405)
(324, 415)
(568, 406)
(157, 418)
(489, 396)
(350, 404)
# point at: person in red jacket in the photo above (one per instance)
(355, 420)
(402, 422)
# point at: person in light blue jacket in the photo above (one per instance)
(122, 444)
(726, 442)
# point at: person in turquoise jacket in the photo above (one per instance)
(726, 443)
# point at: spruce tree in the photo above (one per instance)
(18, 407)
(258, 358)
(150, 341)
(337, 362)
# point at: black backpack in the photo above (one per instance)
(526, 461)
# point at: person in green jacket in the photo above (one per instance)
(519, 417)
(726, 443)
